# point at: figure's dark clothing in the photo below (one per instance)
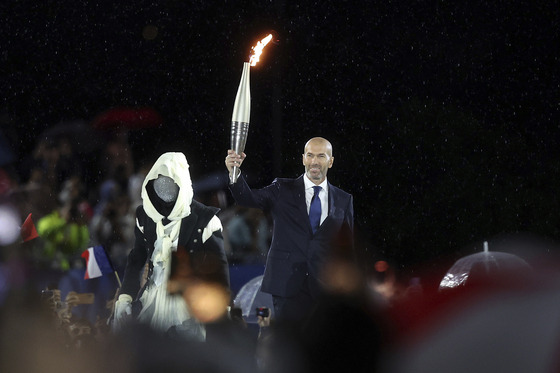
(190, 239)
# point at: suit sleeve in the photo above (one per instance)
(136, 258)
(257, 198)
(349, 221)
(343, 244)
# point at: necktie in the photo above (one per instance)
(315, 209)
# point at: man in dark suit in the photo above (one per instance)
(313, 220)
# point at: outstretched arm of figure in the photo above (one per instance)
(131, 282)
(136, 259)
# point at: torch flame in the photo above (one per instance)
(257, 50)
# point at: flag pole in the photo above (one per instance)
(118, 279)
(112, 266)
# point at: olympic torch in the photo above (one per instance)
(242, 106)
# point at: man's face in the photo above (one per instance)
(317, 160)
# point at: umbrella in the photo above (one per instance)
(510, 331)
(481, 267)
(83, 138)
(127, 118)
(250, 297)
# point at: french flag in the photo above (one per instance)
(97, 262)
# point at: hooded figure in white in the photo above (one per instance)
(169, 220)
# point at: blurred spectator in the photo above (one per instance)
(55, 154)
(31, 340)
(239, 234)
(68, 163)
(113, 228)
(65, 231)
(36, 195)
(116, 158)
(384, 286)
(343, 333)
(135, 185)
(247, 234)
(45, 171)
(112, 224)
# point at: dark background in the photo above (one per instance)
(443, 115)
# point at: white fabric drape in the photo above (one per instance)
(159, 308)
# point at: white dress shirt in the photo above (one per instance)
(323, 195)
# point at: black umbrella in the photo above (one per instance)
(82, 137)
(481, 266)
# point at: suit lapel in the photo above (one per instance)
(298, 192)
(331, 200)
(331, 207)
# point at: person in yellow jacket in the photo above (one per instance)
(64, 233)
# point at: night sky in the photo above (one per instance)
(443, 114)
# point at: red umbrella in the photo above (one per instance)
(127, 118)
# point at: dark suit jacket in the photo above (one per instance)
(295, 253)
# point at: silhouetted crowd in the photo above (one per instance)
(494, 318)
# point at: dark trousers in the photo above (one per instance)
(294, 308)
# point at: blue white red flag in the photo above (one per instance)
(97, 262)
